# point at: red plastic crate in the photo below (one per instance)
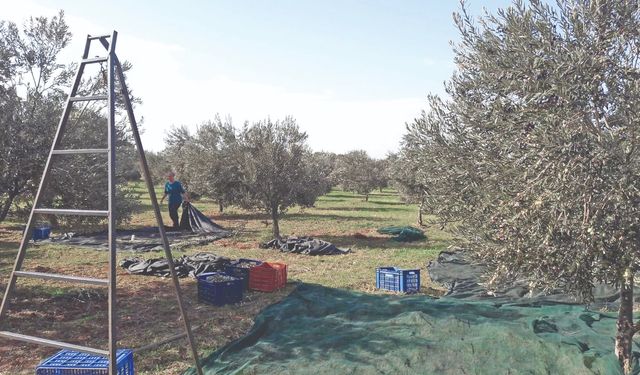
(268, 277)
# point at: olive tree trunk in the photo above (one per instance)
(6, 205)
(220, 206)
(274, 218)
(4, 210)
(624, 325)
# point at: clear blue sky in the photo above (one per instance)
(352, 72)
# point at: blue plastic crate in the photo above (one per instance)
(235, 270)
(41, 233)
(67, 362)
(398, 280)
(219, 293)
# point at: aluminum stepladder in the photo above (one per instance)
(113, 68)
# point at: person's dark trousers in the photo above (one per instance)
(173, 212)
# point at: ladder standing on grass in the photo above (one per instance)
(113, 68)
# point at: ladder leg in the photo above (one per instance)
(113, 344)
(156, 208)
(17, 266)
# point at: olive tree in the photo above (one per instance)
(271, 157)
(383, 169)
(212, 165)
(205, 161)
(320, 166)
(408, 178)
(158, 165)
(33, 90)
(177, 141)
(31, 97)
(536, 147)
(356, 171)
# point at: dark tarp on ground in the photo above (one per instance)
(463, 278)
(148, 238)
(403, 233)
(192, 266)
(304, 245)
(319, 330)
(195, 221)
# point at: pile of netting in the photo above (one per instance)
(304, 245)
(195, 229)
(464, 278)
(319, 330)
(403, 234)
(186, 265)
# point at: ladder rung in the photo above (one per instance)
(56, 277)
(87, 98)
(99, 36)
(81, 151)
(94, 60)
(55, 211)
(52, 343)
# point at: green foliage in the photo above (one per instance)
(206, 162)
(177, 142)
(33, 87)
(271, 158)
(407, 176)
(357, 172)
(211, 167)
(534, 154)
(158, 166)
(318, 169)
(31, 96)
(537, 147)
(383, 168)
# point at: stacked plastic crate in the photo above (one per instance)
(67, 362)
(222, 288)
(398, 280)
(268, 277)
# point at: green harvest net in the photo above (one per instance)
(319, 330)
(403, 234)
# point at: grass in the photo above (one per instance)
(147, 309)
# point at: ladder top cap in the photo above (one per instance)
(92, 37)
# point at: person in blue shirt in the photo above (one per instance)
(173, 188)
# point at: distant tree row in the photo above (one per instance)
(356, 171)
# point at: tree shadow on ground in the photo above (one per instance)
(8, 252)
(383, 194)
(241, 216)
(296, 215)
(330, 199)
(388, 203)
(338, 218)
(364, 209)
(342, 195)
(358, 240)
(15, 227)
